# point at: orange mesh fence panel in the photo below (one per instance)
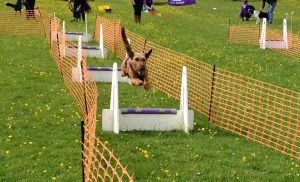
(100, 163)
(109, 32)
(250, 34)
(294, 46)
(258, 111)
(25, 23)
(244, 34)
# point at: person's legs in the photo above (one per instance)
(137, 12)
(82, 16)
(271, 8)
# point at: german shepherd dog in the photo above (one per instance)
(135, 65)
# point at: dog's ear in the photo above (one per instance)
(126, 43)
(148, 53)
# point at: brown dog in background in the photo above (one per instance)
(135, 65)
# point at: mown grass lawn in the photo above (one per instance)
(40, 132)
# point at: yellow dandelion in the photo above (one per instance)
(7, 152)
(53, 178)
(244, 158)
(61, 164)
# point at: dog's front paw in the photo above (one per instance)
(123, 74)
(136, 82)
(146, 86)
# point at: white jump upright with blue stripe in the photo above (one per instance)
(89, 51)
(77, 71)
(147, 119)
(73, 36)
(273, 44)
(98, 74)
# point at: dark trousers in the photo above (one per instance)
(29, 4)
(78, 10)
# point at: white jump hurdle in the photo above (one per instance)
(104, 74)
(273, 44)
(90, 51)
(73, 36)
(98, 74)
(155, 119)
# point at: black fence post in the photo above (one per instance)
(82, 149)
(212, 92)
(59, 55)
(86, 116)
(228, 35)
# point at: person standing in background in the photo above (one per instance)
(29, 5)
(80, 7)
(271, 7)
(137, 6)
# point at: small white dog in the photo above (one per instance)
(259, 15)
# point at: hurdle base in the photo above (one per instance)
(73, 36)
(276, 44)
(105, 76)
(147, 122)
(98, 74)
(88, 51)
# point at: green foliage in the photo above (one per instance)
(40, 132)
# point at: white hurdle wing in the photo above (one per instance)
(147, 119)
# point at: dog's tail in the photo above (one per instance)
(10, 5)
(126, 43)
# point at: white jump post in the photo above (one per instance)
(64, 39)
(263, 34)
(285, 34)
(114, 99)
(184, 99)
(101, 47)
(79, 59)
(273, 44)
(53, 28)
(147, 119)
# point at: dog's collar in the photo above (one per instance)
(131, 67)
(128, 64)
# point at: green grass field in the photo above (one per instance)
(40, 132)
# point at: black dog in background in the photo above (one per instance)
(17, 6)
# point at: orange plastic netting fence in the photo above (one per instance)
(256, 110)
(99, 162)
(250, 34)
